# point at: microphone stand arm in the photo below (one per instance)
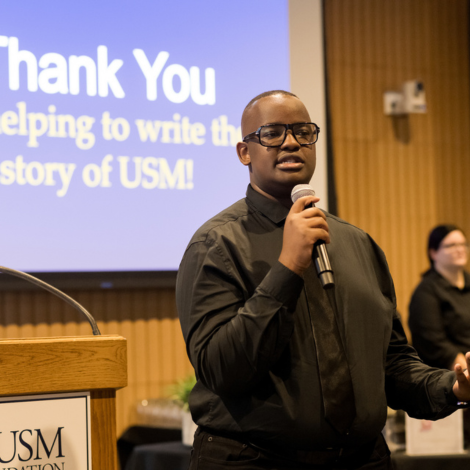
(57, 292)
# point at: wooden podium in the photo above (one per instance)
(98, 364)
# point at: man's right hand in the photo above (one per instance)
(303, 228)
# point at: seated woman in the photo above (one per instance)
(439, 311)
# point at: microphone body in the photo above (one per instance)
(319, 254)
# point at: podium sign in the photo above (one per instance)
(46, 432)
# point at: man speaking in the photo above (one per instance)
(291, 375)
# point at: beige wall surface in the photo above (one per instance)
(396, 177)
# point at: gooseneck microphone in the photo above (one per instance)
(53, 290)
(319, 254)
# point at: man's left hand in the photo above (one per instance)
(462, 386)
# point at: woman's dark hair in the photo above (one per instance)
(438, 234)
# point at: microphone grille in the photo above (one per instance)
(301, 190)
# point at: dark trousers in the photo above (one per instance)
(215, 452)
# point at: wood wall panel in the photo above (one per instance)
(398, 177)
(145, 317)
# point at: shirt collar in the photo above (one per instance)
(445, 283)
(274, 211)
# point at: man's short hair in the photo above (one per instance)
(264, 94)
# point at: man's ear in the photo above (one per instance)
(243, 153)
(432, 254)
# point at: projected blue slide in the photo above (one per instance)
(118, 124)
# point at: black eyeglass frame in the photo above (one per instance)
(257, 133)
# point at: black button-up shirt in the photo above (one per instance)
(439, 319)
(246, 324)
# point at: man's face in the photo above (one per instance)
(275, 171)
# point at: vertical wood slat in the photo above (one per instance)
(146, 318)
(102, 406)
(398, 177)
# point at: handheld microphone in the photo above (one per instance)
(319, 254)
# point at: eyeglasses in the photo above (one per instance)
(454, 246)
(274, 135)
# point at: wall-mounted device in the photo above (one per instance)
(411, 99)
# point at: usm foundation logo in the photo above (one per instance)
(46, 432)
(32, 449)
